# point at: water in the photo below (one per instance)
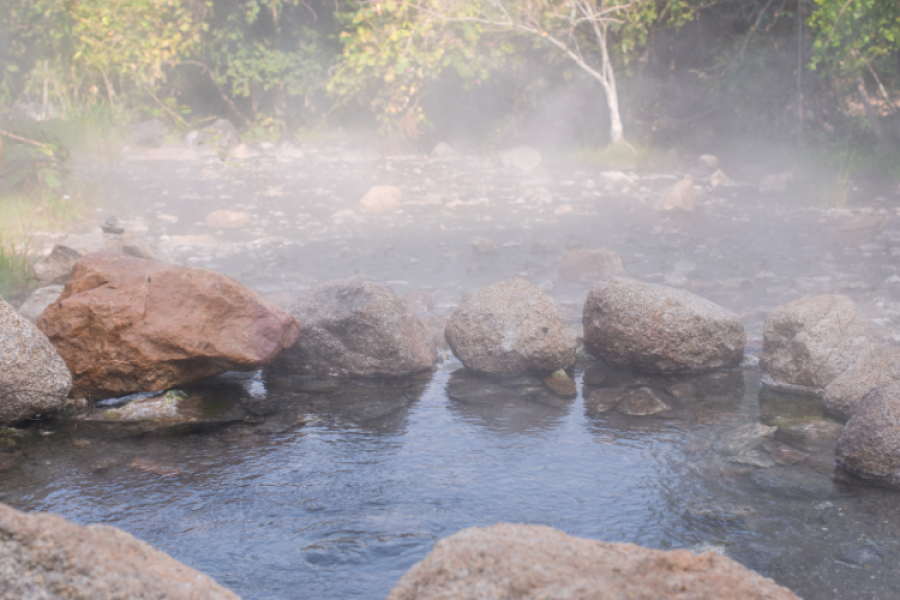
(341, 506)
(334, 491)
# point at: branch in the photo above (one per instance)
(24, 140)
(212, 78)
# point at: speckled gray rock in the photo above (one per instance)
(659, 329)
(510, 327)
(878, 368)
(533, 562)
(44, 557)
(357, 328)
(33, 377)
(40, 299)
(809, 342)
(869, 445)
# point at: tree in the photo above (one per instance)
(408, 37)
(853, 37)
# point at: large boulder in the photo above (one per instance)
(357, 328)
(43, 556)
(534, 562)
(33, 377)
(55, 268)
(878, 368)
(869, 445)
(659, 329)
(126, 325)
(809, 342)
(510, 327)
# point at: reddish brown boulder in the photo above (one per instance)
(126, 325)
(529, 562)
(44, 556)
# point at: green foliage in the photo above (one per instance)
(853, 34)
(14, 267)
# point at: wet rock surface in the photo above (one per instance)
(510, 327)
(33, 377)
(45, 556)
(528, 561)
(658, 329)
(869, 445)
(126, 325)
(878, 368)
(808, 343)
(357, 328)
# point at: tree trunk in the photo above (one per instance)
(616, 131)
(871, 115)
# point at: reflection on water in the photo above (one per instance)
(332, 489)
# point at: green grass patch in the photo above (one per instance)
(624, 156)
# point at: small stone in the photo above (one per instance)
(111, 225)
(680, 196)
(561, 384)
(786, 456)
(603, 400)
(227, 219)
(708, 162)
(720, 179)
(483, 245)
(642, 403)
(744, 438)
(589, 265)
(380, 199)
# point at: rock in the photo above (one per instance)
(55, 268)
(444, 151)
(809, 342)
(33, 378)
(561, 384)
(147, 133)
(776, 183)
(869, 445)
(616, 178)
(563, 209)
(659, 329)
(786, 456)
(744, 438)
(589, 265)
(357, 328)
(483, 245)
(524, 158)
(880, 367)
(810, 433)
(418, 300)
(708, 162)
(227, 219)
(161, 413)
(679, 196)
(111, 225)
(126, 325)
(720, 179)
(40, 299)
(858, 230)
(797, 483)
(243, 151)
(509, 561)
(603, 400)
(380, 199)
(641, 403)
(44, 556)
(222, 137)
(510, 327)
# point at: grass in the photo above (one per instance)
(623, 156)
(15, 269)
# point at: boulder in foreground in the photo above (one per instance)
(510, 327)
(869, 445)
(33, 377)
(357, 328)
(880, 367)
(43, 556)
(659, 329)
(809, 342)
(126, 325)
(540, 563)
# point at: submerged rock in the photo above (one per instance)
(531, 561)
(589, 265)
(660, 329)
(126, 325)
(360, 329)
(744, 438)
(869, 445)
(603, 400)
(510, 327)
(641, 403)
(45, 556)
(798, 483)
(809, 342)
(880, 367)
(33, 377)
